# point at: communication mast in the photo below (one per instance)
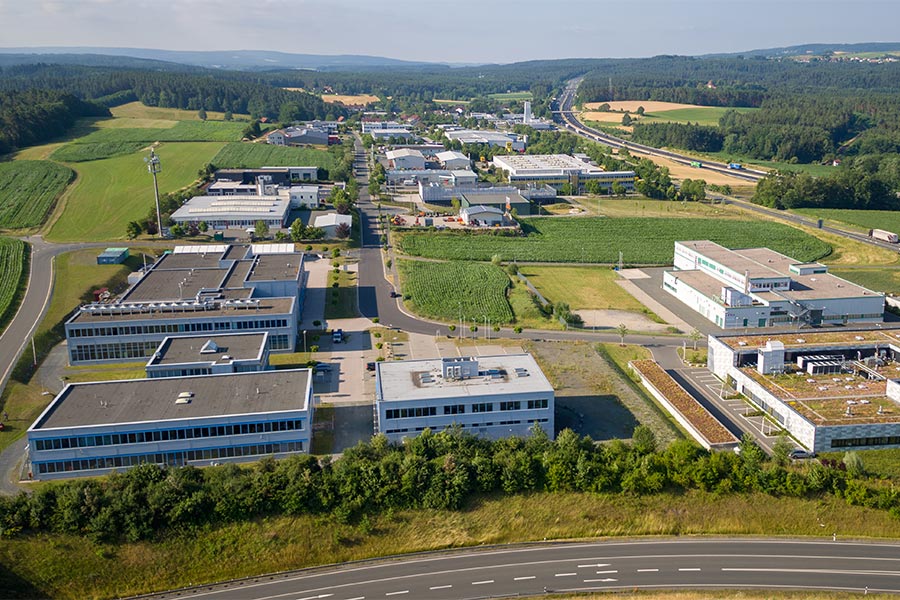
(154, 167)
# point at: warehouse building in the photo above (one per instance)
(453, 160)
(112, 256)
(192, 355)
(235, 212)
(511, 141)
(93, 429)
(405, 159)
(492, 396)
(557, 170)
(294, 136)
(758, 287)
(832, 391)
(278, 175)
(195, 290)
(437, 176)
(442, 193)
(484, 216)
(330, 222)
(504, 201)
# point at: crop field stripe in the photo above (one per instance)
(28, 189)
(448, 290)
(642, 241)
(183, 131)
(77, 152)
(12, 271)
(252, 156)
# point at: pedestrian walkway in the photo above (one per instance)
(316, 289)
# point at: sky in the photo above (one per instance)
(454, 31)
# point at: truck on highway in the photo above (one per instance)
(884, 236)
(735, 166)
(696, 164)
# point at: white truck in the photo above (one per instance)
(884, 236)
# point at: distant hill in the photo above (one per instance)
(9, 59)
(815, 49)
(225, 59)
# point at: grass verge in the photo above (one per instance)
(340, 299)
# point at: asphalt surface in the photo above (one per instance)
(598, 566)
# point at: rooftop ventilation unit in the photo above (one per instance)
(184, 398)
(210, 347)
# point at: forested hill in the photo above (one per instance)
(33, 116)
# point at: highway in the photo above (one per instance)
(581, 567)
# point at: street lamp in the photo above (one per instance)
(154, 167)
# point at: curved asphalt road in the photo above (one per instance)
(571, 567)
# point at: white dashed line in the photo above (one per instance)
(440, 587)
(524, 578)
(607, 580)
(357, 598)
(648, 570)
(565, 574)
(606, 572)
(691, 569)
(397, 593)
(591, 566)
(483, 582)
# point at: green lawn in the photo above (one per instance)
(182, 131)
(28, 188)
(246, 155)
(76, 152)
(879, 280)
(857, 219)
(111, 192)
(582, 287)
(701, 115)
(449, 290)
(511, 96)
(642, 241)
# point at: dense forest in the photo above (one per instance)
(440, 471)
(849, 187)
(35, 116)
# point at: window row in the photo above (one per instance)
(465, 426)
(192, 326)
(82, 352)
(886, 440)
(166, 435)
(460, 409)
(409, 413)
(174, 459)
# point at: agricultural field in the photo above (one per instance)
(642, 241)
(477, 290)
(76, 152)
(701, 115)
(584, 288)
(136, 110)
(507, 96)
(113, 191)
(862, 220)
(182, 131)
(357, 99)
(29, 189)
(239, 155)
(12, 286)
(879, 280)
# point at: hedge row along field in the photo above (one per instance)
(183, 131)
(28, 189)
(253, 156)
(642, 241)
(446, 290)
(12, 266)
(95, 151)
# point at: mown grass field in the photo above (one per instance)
(76, 152)
(74, 567)
(111, 192)
(701, 115)
(506, 96)
(879, 280)
(861, 220)
(136, 110)
(182, 131)
(453, 289)
(28, 190)
(642, 241)
(582, 287)
(240, 155)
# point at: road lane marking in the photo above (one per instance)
(316, 597)
(440, 587)
(606, 572)
(607, 580)
(648, 570)
(524, 578)
(820, 571)
(691, 569)
(483, 582)
(565, 574)
(397, 593)
(598, 565)
(357, 598)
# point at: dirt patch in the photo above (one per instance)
(592, 398)
(357, 100)
(606, 117)
(681, 172)
(650, 106)
(613, 318)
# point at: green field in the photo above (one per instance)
(879, 280)
(701, 115)
(28, 189)
(252, 156)
(859, 219)
(583, 288)
(511, 96)
(111, 192)
(477, 290)
(183, 131)
(642, 241)
(12, 263)
(77, 152)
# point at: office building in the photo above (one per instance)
(191, 355)
(557, 170)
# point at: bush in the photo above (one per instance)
(316, 323)
(517, 329)
(379, 345)
(376, 334)
(313, 348)
(375, 319)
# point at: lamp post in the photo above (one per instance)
(154, 167)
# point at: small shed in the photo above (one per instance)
(483, 216)
(112, 256)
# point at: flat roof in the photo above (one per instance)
(524, 163)
(733, 259)
(175, 284)
(276, 267)
(500, 198)
(150, 400)
(209, 348)
(702, 282)
(263, 308)
(191, 260)
(237, 207)
(401, 380)
(807, 339)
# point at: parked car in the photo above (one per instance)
(798, 454)
(337, 336)
(322, 367)
(395, 294)
(370, 366)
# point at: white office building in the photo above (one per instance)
(557, 170)
(758, 287)
(492, 396)
(190, 355)
(93, 429)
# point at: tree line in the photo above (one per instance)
(437, 471)
(34, 116)
(849, 187)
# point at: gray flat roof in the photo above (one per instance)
(148, 400)
(400, 380)
(175, 284)
(189, 349)
(264, 309)
(277, 267)
(189, 260)
(500, 198)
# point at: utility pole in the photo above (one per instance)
(154, 167)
